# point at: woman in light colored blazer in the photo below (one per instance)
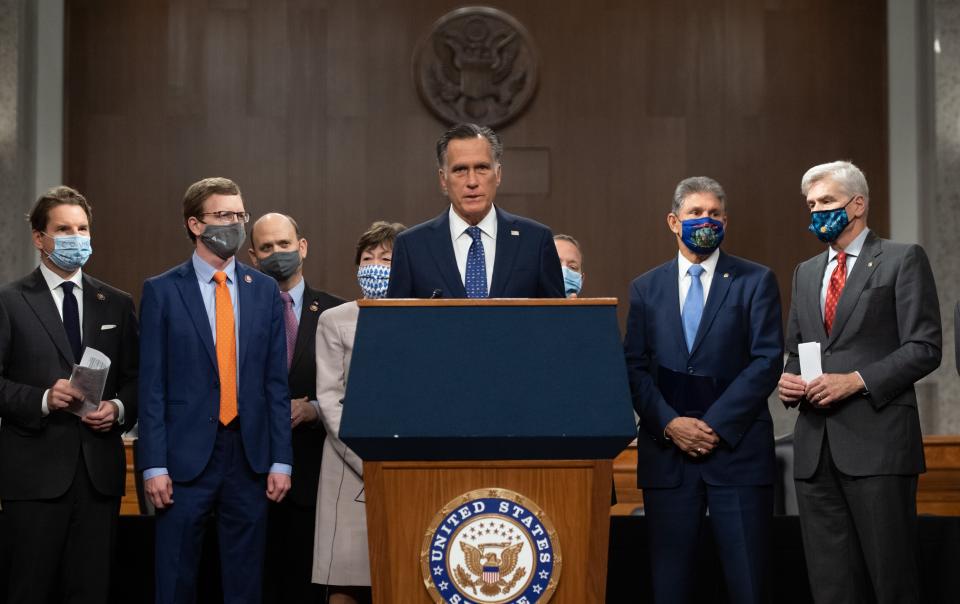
(340, 557)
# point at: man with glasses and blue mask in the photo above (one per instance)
(704, 346)
(871, 304)
(278, 249)
(215, 408)
(61, 457)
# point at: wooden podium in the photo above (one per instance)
(488, 429)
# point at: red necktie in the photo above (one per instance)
(837, 280)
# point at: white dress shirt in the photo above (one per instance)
(54, 281)
(706, 277)
(853, 250)
(462, 241)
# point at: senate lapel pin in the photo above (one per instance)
(101, 297)
(870, 264)
(248, 278)
(314, 307)
(515, 233)
(726, 275)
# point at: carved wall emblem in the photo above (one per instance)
(477, 64)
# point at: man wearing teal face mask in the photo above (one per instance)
(61, 477)
(872, 306)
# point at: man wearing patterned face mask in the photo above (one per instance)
(61, 477)
(872, 306)
(215, 405)
(340, 560)
(704, 346)
(279, 250)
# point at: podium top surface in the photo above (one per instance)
(488, 302)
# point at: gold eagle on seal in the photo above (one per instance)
(488, 569)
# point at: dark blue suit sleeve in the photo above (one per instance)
(649, 404)
(401, 279)
(152, 434)
(551, 276)
(746, 397)
(276, 385)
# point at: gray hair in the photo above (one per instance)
(697, 184)
(569, 239)
(466, 131)
(849, 177)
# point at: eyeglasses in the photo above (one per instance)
(228, 216)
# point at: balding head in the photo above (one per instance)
(272, 222)
(273, 233)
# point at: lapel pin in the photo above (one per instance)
(248, 278)
(101, 297)
(870, 264)
(314, 307)
(726, 275)
(515, 233)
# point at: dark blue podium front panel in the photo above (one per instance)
(487, 382)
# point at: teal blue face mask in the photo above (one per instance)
(572, 281)
(828, 224)
(70, 252)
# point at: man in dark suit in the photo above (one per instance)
(872, 306)
(62, 474)
(473, 250)
(704, 345)
(278, 249)
(215, 408)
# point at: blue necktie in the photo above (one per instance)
(693, 306)
(475, 279)
(71, 319)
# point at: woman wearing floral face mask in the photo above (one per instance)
(340, 559)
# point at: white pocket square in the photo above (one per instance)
(106, 327)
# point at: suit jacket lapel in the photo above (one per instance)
(245, 278)
(309, 313)
(866, 263)
(190, 294)
(719, 286)
(93, 297)
(507, 246)
(39, 299)
(811, 300)
(669, 299)
(441, 245)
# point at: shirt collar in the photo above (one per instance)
(296, 293)
(54, 280)
(488, 225)
(854, 249)
(205, 272)
(709, 265)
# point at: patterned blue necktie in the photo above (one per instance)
(693, 305)
(475, 279)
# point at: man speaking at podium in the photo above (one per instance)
(704, 345)
(473, 250)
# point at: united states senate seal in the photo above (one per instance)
(490, 546)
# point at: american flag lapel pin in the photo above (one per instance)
(515, 233)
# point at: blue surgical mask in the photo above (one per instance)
(70, 252)
(702, 235)
(572, 281)
(373, 280)
(828, 224)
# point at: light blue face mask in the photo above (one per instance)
(572, 281)
(373, 280)
(70, 252)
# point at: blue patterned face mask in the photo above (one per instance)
(572, 281)
(701, 235)
(70, 252)
(828, 224)
(373, 280)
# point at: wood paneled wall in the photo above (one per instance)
(310, 106)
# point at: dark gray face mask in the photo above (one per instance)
(224, 239)
(280, 265)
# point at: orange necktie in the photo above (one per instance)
(226, 350)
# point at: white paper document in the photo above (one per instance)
(810, 361)
(89, 377)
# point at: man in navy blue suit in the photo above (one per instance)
(704, 346)
(215, 419)
(472, 249)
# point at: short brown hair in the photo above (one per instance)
(379, 233)
(57, 196)
(199, 192)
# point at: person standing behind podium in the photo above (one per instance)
(279, 250)
(62, 477)
(473, 249)
(872, 305)
(341, 559)
(215, 410)
(704, 345)
(571, 263)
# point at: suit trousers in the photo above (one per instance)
(740, 516)
(231, 490)
(858, 532)
(61, 548)
(289, 565)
